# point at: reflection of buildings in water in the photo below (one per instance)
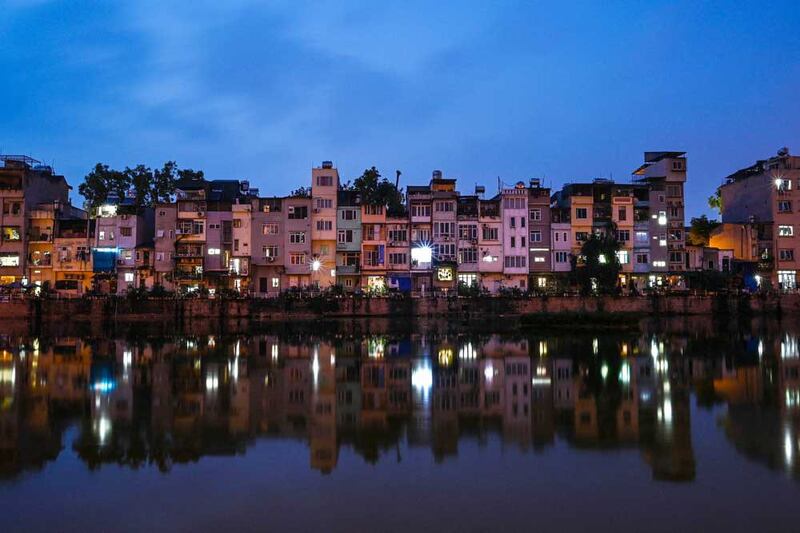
(200, 396)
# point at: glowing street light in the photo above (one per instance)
(422, 253)
(316, 264)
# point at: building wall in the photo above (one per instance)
(540, 256)
(324, 190)
(514, 208)
(297, 272)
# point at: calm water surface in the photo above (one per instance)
(691, 424)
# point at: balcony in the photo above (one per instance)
(39, 260)
(40, 236)
(347, 269)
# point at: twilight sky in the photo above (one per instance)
(262, 91)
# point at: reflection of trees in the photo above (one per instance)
(760, 434)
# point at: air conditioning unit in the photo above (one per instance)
(270, 259)
(201, 214)
(291, 210)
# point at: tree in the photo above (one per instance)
(102, 182)
(141, 180)
(597, 269)
(163, 185)
(302, 192)
(700, 230)
(189, 174)
(715, 201)
(378, 191)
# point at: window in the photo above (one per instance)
(11, 233)
(126, 231)
(784, 184)
(662, 218)
(538, 259)
(677, 165)
(324, 225)
(674, 212)
(324, 203)
(349, 214)
(536, 236)
(444, 229)
(468, 232)
(276, 282)
(398, 235)
(641, 259)
(421, 235)
(514, 203)
(325, 181)
(344, 236)
(536, 215)
(784, 206)
(659, 264)
(420, 210)
(561, 257)
(237, 222)
(297, 237)
(515, 261)
(373, 209)
(513, 242)
(673, 190)
(297, 259)
(269, 229)
(581, 212)
(12, 208)
(581, 236)
(398, 259)
(512, 222)
(8, 259)
(444, 250)
(623, 257)
(490, 234)
(269, 251)
(675, 257)
(623, 235)
(521, 222)
(213, 251)
(128, 277)
(468, 255)
(444, 207)
(641, 236)
(297, 212)
(622, 214)
(785, 231)
(786, 254)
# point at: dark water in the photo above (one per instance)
(685, 425)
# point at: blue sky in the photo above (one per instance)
(262, 91)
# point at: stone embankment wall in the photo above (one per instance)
(257, 311)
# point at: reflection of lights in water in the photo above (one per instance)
(467, 352)
(760, 348)
(198, 364)
(488, 372)
(333, 357)
(645, 396)
(376, 347)
(788, 450)
(274, 352)
(212, 342)
(542, 348)
(792, 397)
(604, 371)
(666, 387)
(625, 373)
(103, 386)
(445, 356)
(8, 376)
(653, 349)
(541, 370)
(540, 381)
(315, 367)
(422, 377)
(624, 349)
(212, 382)
(103, 429)
(595, 346)
(789, 348)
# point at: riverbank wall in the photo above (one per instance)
(184, 311)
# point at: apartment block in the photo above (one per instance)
(348, 240)
(514, 211)
(324, 191)
(490, 245)
(763, 200)
(25, 184)
(468, 227)
(539, 234)
(268, 246)
(298, 261)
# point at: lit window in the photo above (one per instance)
(785, 231)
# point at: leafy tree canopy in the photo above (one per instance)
(700, 230)
(598, 267)
(147, 186)
(376, 190)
